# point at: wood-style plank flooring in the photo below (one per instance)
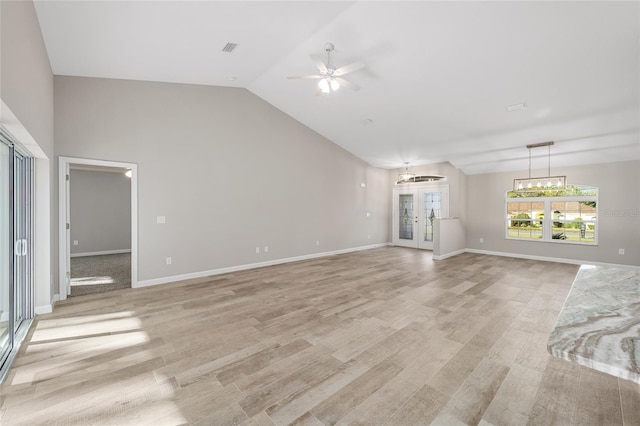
(378, 337)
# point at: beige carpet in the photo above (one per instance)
(97, 274)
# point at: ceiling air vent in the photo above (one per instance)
(229, 47)
(422, 178)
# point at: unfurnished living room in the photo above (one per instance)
(319, 212)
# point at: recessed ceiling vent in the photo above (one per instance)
(421, 178)
(229, 47)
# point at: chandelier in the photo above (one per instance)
(406, 176)
(540, 183)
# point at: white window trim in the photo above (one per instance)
(547, 228)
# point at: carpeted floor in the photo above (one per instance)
(97, 274)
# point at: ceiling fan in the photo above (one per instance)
(331, 78)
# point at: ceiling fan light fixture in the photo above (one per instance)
(328, 85)
(331, 78)
(323, 84)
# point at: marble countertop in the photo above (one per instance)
(599, 325)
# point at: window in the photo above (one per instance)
(564, 216)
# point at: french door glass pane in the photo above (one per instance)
(406, 217)
(6, 249)
(432, 210)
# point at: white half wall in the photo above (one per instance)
(449, 237)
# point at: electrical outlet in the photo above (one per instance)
(266, 249)
(482, 240)
(161, 219)
(317, 243)
(257, 250)
(75, 242)
(620, 251)
(168, 261)
(368, 236)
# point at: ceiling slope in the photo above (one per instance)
(437, 80)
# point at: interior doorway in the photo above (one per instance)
(92, 260)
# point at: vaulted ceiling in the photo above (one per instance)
(438, 76)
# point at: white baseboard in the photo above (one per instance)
(100, 253)
(551, 259)
(46, 309)
(165, 280)
(445, 256)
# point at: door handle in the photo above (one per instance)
(20, 247)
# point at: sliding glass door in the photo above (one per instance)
(16, 260)
(22, 238)
(6, 252)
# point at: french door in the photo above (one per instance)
(16, 273)
(414, 210)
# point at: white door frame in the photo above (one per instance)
(64, 251)
(418, 191)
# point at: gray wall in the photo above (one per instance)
(26, 87)
(100, 210)
(227, 170)
(618, 209)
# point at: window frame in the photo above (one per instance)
(548, 219)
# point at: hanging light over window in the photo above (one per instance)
(539, 183)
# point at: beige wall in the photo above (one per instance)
(228, 171)
(100, 210)
(618, 220)
(26, 88)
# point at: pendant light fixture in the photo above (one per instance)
(406, 176)
(543, 183)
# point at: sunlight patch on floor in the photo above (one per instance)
(67, 342)
(92, 280)
(82, 319)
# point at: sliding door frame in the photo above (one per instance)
(21, 213)
(64, 251)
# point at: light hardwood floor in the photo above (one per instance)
(379, 337)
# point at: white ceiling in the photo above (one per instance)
(438, 75)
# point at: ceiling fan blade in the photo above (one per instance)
(347, 83)
(318, 62)
(305, 77)
(348, 68)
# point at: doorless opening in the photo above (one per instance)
(64, 196)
